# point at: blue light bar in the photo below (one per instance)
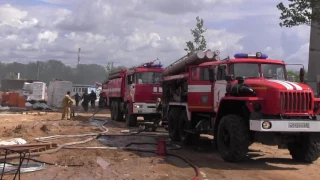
(150, 65)
(157, 65)
(244, 55)
(241, 55)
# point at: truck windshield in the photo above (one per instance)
(273, 71)
(251, 70)
(149, 77)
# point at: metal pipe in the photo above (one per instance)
(179, 66)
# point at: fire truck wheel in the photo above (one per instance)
(186, 137)
(112, 110)
(304, 149)
(131, 119)
(118, 115)
(173, 124)
(233, 138)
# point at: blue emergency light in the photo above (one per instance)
(150, 65)
(258, 55)
(157, 65)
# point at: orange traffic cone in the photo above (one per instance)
(161, 147)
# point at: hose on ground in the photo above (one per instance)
(196, 169)
(97, 135)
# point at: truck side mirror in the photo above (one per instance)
(211, 74)
(228, 78)
(302, 75)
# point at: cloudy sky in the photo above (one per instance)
(128, 32)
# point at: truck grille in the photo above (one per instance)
(295, 102)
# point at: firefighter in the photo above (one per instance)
(93, 98)
(85, 101)
(77, 98)
(66, 105)
(101, 100)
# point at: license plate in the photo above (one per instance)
(299, 125)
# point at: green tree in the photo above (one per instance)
(54, 69)
(199, 42)
(299, 12)
(11, 76)
(293, 75)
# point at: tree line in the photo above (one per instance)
(54, 69)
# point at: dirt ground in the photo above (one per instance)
(264, 162)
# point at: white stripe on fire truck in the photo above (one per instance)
(295, 85)
(113, 90)
(288, 86)
(199, 88)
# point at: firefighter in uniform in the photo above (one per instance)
(66, 105)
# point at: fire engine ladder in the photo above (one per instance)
(182, 58)
(177, 61)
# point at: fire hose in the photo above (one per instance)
(97, 135)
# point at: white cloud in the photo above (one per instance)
(48, 35)
(133, 31)
(139, 39)
(12, 37)
(10, 16)
(301, 55)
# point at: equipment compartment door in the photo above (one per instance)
(219, 85)
(199, 90)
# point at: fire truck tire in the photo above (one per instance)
(118, 115)
(233, 138)
(112, 110)
(185, 137)
(173, 124)
(131, 119)
(304, 149)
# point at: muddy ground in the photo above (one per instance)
(264, 162)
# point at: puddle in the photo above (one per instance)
(121, 141)
(98, 122)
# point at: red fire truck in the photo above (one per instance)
(133, 92)
(240, 101)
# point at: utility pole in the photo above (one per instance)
(79, 56)
(38, 70)
(109, 66)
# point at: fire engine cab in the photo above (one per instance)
(131, 93)
(240, 101)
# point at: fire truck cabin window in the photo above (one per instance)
(130, 79)
(273, 71)
(205, 74)
(149, 77)
(247, 70)
(200, 74)
(221, 72)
